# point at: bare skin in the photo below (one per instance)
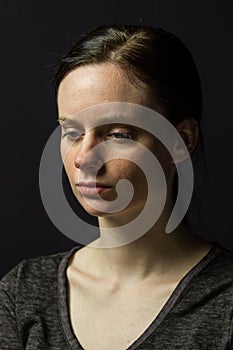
(115, 293)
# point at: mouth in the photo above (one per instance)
(92, 188)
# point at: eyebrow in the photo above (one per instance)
(105, 120)
(62, 119)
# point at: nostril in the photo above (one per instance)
(77, 164)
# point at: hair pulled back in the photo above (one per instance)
(145, 54)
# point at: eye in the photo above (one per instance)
(120, 135)
(72, 135)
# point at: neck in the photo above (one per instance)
(156, 253)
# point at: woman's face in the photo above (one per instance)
(85, 87)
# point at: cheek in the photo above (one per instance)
(68, 163)
(130, 171)
(63, 150)
(124, 169)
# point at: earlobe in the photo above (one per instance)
(189, 132)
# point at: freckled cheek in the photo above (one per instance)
(124, 169)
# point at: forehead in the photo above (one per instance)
(117, 113)
(91, 85)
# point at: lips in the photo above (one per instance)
(92, 188)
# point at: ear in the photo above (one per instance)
(189, 132)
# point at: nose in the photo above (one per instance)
(85, 155)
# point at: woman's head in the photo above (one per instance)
(133, 64)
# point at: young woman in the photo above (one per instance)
(158, 290)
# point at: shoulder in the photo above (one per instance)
(215, 277)
(33, 273)
(36, 266)
(221, 266)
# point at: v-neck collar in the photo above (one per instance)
(72, 340)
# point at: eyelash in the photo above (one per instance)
(128, 136)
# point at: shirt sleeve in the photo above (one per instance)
(9, 335)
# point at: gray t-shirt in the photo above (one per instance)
(198, 315)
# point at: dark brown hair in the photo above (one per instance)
(150, 55)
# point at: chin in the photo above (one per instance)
(102, 212)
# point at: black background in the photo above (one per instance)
(33, 35)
